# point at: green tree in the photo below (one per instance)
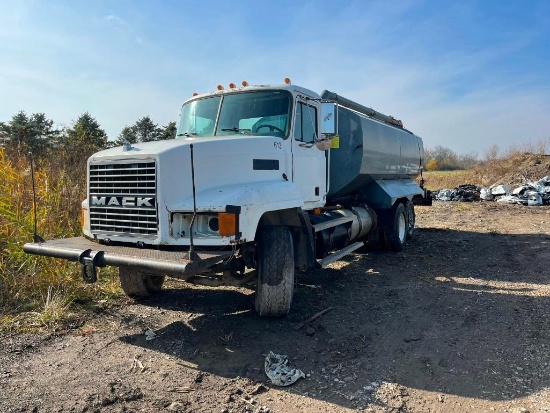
(86, 131)
(82, 139)
(128, 134)
(168, 131)
(30, 133)
(144, 130)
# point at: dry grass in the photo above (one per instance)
(31, 285)
(513, 169)
(448, 179)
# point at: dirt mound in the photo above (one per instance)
(513, 170)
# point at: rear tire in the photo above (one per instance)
(137, 284)
(411, 219)
(275, 287)
(395, 233)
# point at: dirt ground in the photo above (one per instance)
(457, 322)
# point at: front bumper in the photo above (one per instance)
(173, 263)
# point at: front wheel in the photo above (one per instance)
(395, 233)
(137, 284)
(275, 287)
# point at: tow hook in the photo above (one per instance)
(88, 260)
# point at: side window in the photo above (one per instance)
(305, 126)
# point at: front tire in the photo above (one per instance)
(396, 230)
(137, 284)
(275, 287)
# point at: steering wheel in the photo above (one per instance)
(271, 128)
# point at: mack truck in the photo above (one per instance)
(261, 182)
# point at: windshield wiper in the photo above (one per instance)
(235, 129)
(188, 134)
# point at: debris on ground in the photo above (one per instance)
(278, 371)
(462, 193)
(150, 334)
(531, 193)
(136, 363)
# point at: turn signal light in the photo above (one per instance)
(227, 224)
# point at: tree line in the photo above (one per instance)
(441, 158)
(37, 134)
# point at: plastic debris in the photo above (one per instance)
(462, 193)
(278, 371)
(508, 199)
(500, 190)
(444, 195)
(530, 193)
(485, 194)
(534, 198)
(150, 334)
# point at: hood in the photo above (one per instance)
(220, 164)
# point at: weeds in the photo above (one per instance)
(37, 291)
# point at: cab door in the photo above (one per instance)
(308, 162)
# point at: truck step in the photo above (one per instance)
(332, 223)
(335, 256)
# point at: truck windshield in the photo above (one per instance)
(249, 113)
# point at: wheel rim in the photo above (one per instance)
(401, 227)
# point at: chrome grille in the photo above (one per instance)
(122, 199)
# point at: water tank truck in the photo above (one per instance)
(261, 182)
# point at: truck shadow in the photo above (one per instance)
(457, 313)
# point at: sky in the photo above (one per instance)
(466, 75)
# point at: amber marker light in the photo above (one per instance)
(195, 94)
(287, 81)
(227, 224)
(244, 83)
(220, 87)
(316, 211)
(232, 86)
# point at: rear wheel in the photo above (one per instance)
(137, 284)
(275, 287)
(395, 233)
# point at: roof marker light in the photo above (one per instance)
(244, 83)
(232, 86)
(220, 87)
(195, 94)
(287, 81)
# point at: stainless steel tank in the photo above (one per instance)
(372, 147)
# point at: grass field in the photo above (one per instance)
(448, 179)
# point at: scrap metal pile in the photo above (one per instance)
(530, 193)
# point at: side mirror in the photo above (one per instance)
(328, 118)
